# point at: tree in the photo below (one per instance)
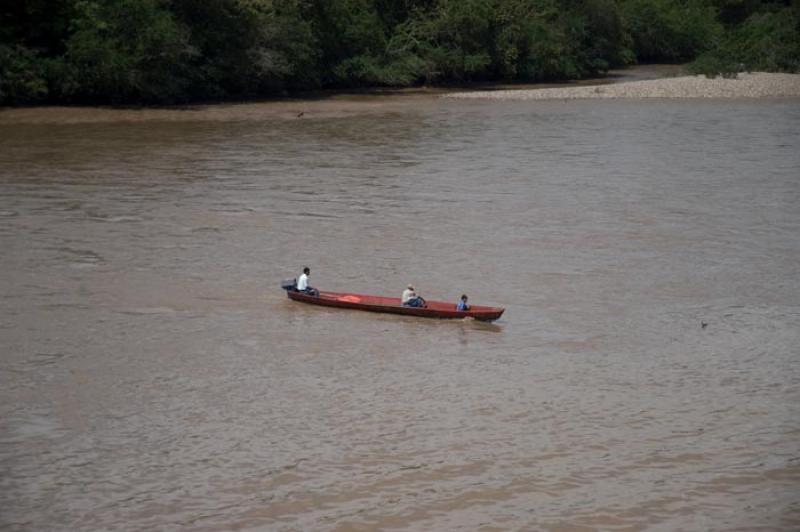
(123, 51)
(670, 30)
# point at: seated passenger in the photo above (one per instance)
(462, 305)
(302, 283)
(411, 299)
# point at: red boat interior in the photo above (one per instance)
(392, 301)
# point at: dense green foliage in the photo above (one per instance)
(665, 30)
(168, 51)
(766, 40)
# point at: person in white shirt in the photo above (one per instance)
(411, 299)
(408, 295)
(302, 283)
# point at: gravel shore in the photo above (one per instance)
(757, 85)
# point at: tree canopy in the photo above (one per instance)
(174, 51)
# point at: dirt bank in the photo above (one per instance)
(756, 85)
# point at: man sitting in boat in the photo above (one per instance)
(462, 304)
(302, 283)
(411, 299)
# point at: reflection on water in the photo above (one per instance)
(155, 377)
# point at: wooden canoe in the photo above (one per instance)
(434, 309)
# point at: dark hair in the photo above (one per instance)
(463, 296)
(306, 270)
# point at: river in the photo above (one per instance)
(645, 375)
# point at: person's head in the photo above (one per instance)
(410, 287)
(464, 297)
(307, 270)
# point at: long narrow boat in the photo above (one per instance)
(434, 309)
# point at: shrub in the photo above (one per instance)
(767, 41)
(669, 30)
(21, 76)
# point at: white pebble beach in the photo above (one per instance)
(752, 85)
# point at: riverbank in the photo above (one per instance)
(645, 81)
(756, 85)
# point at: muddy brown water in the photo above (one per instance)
(153, 376)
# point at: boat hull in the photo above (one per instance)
(392, 305)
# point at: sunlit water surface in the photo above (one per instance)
(153, 376)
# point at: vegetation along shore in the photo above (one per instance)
(179, 51)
